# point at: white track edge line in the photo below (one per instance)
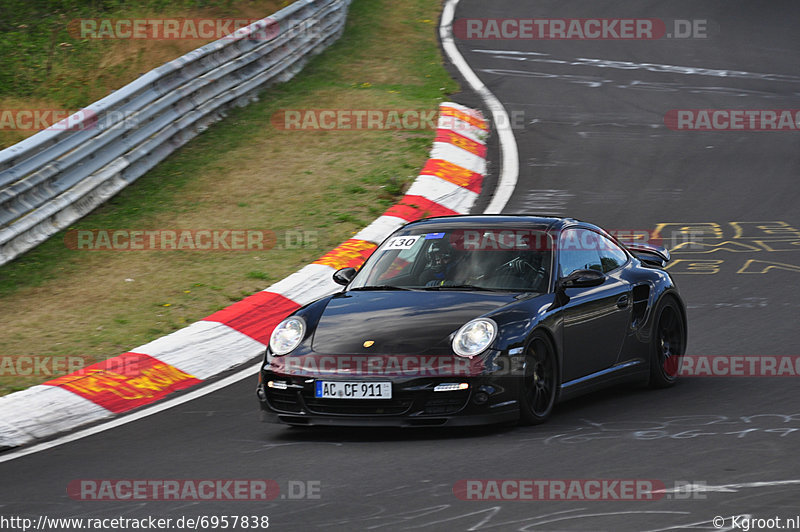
(250, 371)
(509, 156)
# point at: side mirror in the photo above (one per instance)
(344, 276)
(582, 279)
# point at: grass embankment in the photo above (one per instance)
(243, 173)
(47, 65)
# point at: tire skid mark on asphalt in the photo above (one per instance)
(630, 65)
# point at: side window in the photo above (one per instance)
(578, 250)
(611, 256)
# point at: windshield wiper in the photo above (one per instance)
(380, 287)
(458, 287)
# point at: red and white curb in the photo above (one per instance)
(449, 183)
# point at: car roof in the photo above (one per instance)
(545, 223)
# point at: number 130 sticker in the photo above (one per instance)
(402, 242)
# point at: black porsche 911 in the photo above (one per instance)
(462, 320)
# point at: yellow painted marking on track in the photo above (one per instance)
(765, 266)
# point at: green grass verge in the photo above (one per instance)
(43, 56)
(46, 64)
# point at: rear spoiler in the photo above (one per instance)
(649, 253)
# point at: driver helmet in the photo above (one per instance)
(439, 254)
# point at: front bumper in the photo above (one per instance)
(414, 403)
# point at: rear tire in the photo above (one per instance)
(667, 344)
(539, 382)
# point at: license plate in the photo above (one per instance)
(353, 390)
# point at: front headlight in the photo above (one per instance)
(287, 335)
(474, 337)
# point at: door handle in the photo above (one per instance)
(622, 302)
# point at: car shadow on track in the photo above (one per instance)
(619, 403)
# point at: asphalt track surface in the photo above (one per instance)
(593, 145)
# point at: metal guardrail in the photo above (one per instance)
(59, 175)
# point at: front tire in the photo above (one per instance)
(539, 386)
(667, 344)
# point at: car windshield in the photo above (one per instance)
(460, 258)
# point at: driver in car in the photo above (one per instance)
(442, 266)
(487, 269)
